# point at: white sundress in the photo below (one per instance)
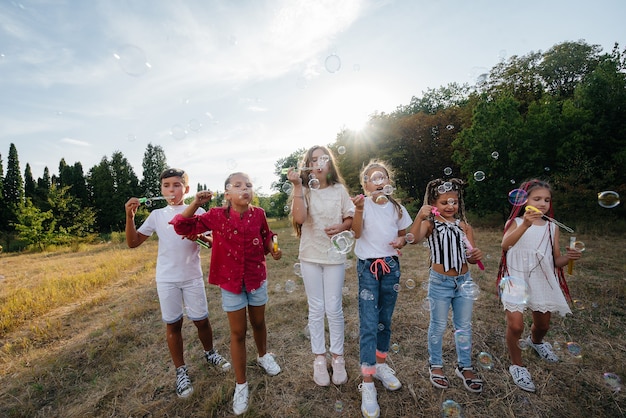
(531, 258)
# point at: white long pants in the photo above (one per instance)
(323, 284)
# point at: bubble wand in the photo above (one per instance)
(570, 263)
(469, 247)
(151, 199)
(275, 243)
(202, 243)
(547, 218)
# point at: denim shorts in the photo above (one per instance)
(232, 302)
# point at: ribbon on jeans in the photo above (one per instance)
(383, 265)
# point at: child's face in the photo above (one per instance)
(320, 163)
(174, 190)
(448, 204)
(377, 179)
(240, 190)
(540, 198)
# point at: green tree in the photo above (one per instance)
(43, 188)
(34, 227)
(102, 186)
(13, 185)
(3, 206)
(30, 187)
(154, 162)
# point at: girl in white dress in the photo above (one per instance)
(531, 255)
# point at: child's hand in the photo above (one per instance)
(425, 212)
(474, 255)
(359, 201)
(131, 207)
(334, 230)
(294, 177)
(207, 239)
(531, 216)
(203, 197)
(573, 254)
(276, 254)
(398, 243)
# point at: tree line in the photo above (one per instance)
(558, 115)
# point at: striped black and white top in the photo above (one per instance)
(446, 245)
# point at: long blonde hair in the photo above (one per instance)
(380, 165)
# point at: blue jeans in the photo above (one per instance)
(443, 292)
(377, 301)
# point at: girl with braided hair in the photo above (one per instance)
(441, 220)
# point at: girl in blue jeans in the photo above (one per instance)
(379, 225)
(451, 241)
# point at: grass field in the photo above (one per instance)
(81, 336)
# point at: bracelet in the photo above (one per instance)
(300, 196)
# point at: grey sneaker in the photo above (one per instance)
(183, 382)
(387, 375)
(522, 378)
(544, 350)
(215, 359)
(268, 364)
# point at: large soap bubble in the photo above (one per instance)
(513, 290)
(608, 199)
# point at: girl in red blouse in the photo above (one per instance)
(241, 239)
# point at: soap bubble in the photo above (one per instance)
(608, 199)
(469, 290)
(194, 125)
(513, 290)
(479, 175)
(410, 284)
(297, 269)
(447, 171)
(377, 178)
(574, 349)
(338, 406)
(495, 155)
(613, 381)
(287, 187)
(518, 197)
(342, 241)
(463, 339)
(485, 360)
(579, 246)
(132, 60)
(522, 344)
(178, 132)
(449, 127)
(255, 241)
(366, 295)
(290, 286)
(450, 409)
(332, 63)
(395, 348)
(341, 150)
(314, 184)
(388, 189)
(409, 238)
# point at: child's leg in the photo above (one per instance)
(368, 319)
(333, 278)
(388, 296)
(259, 329)
(174, 337)
(238, 325)
(462, 320)
(205, 333)
(314, 287)
(514, 330)
(540, 326)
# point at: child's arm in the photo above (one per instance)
(562, 260)
(474, 254)
(298, 208)
(357, 221)
(513, 233)
(345, 225)
(200, 199)
(133, 238)
(422, 227)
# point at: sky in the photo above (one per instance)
(236, 85)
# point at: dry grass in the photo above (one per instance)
(102, 352)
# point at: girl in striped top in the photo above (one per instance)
(451, 241)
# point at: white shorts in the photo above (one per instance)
(179, 298)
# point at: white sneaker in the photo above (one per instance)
(386, 375)
(320, 371)
(369, 404)
(522, 378)
(268, 363)
(544, 350)
(240, 400)
(339, 370)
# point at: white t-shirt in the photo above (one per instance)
(326, 207)
(380, 227)
(178, 258)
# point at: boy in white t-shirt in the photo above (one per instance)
(179, 279)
